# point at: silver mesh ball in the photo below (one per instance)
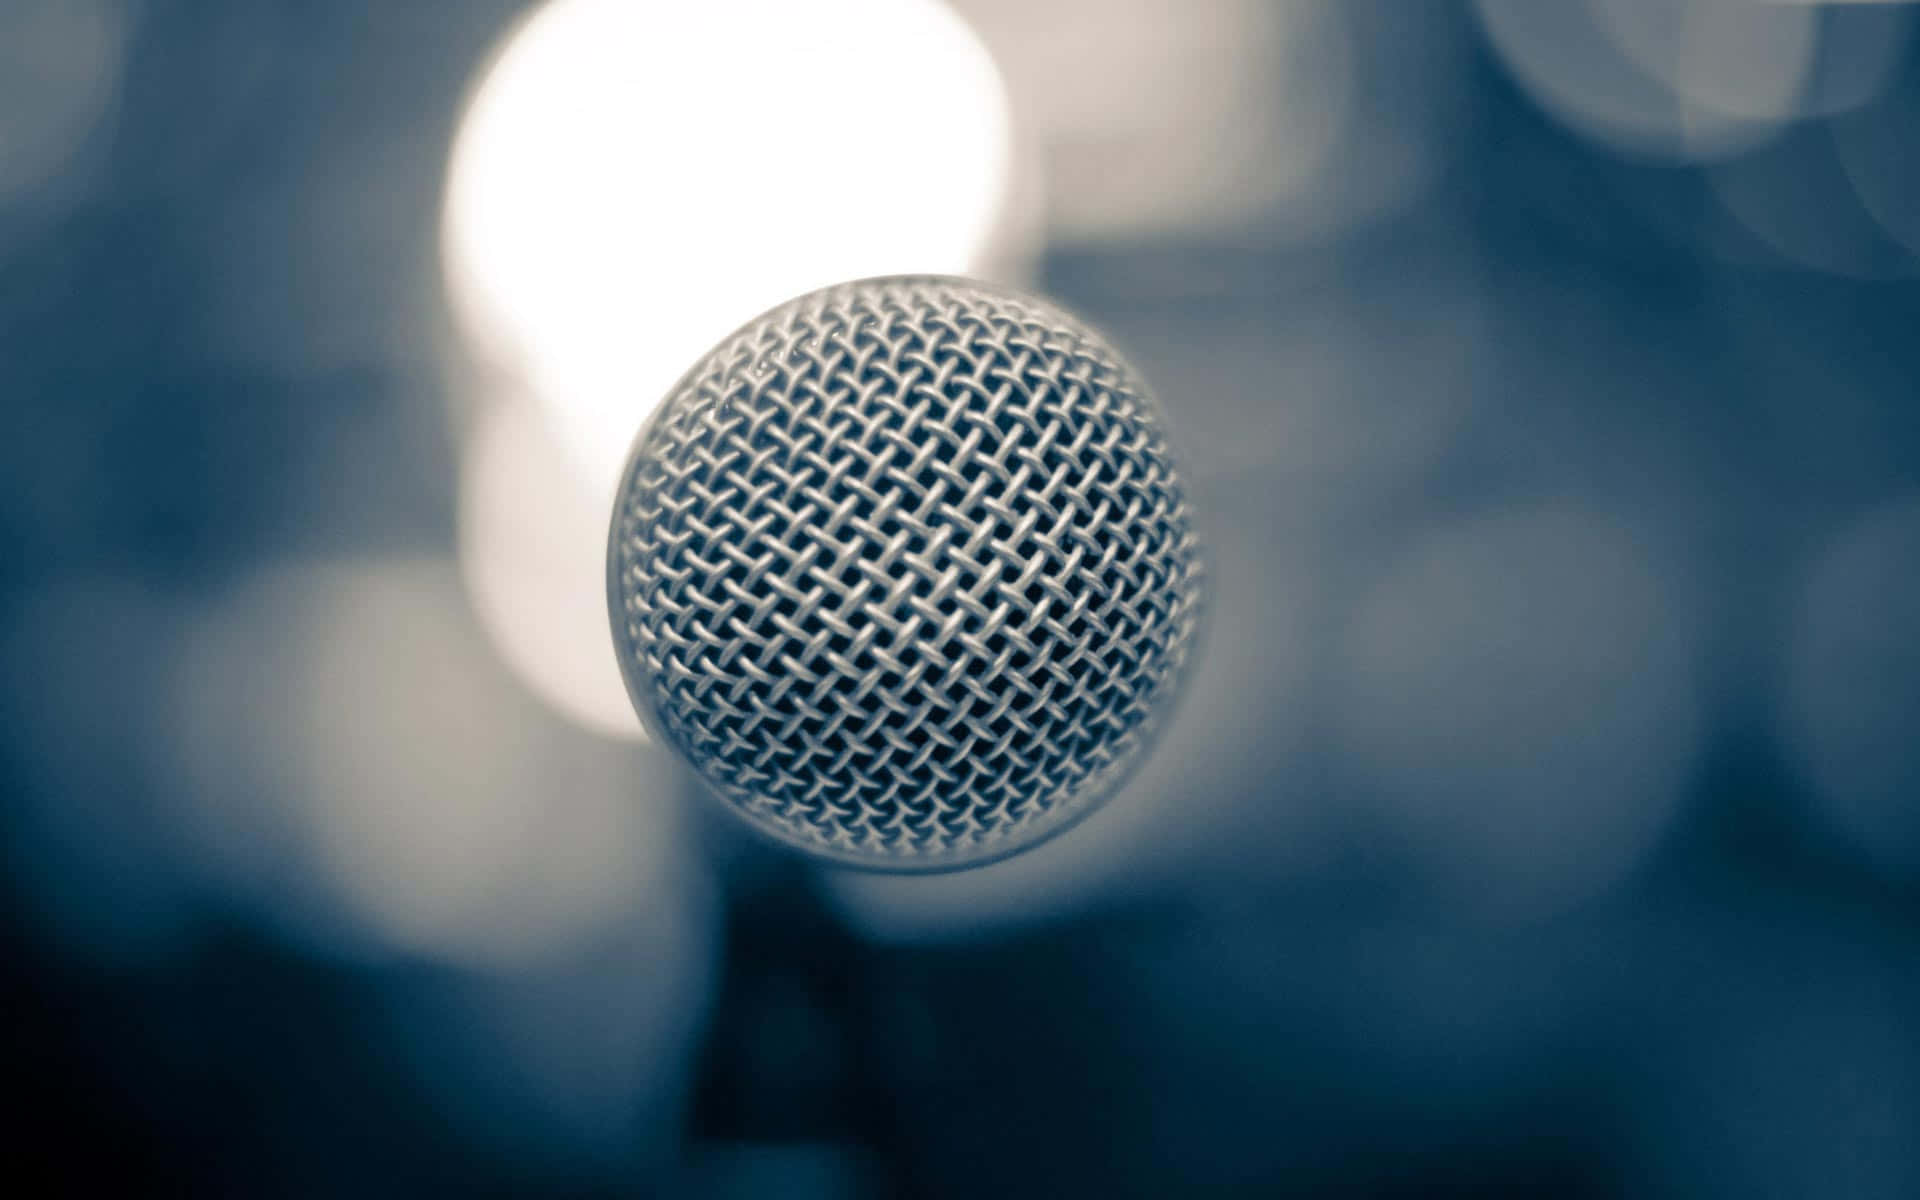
(904, 569)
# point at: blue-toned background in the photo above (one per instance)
(1544, 819)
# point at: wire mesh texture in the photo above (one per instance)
(905, 570)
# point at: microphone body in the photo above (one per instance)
(904, 569)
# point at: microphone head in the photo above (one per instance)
(903, 568)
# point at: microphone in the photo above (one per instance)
(904, 570)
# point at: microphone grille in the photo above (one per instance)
(904, 569)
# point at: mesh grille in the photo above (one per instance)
(904, 569)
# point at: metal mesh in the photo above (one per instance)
(904, 569)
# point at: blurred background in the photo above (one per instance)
(1544, 819)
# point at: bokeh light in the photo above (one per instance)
(632, 181)
(1161, 120)
(362, 775)
(1795, 196)
(1852, 698)
(1193, 116)
(533, 553)
(1862, 47)
(60, 65)
(1514, 707)
(1873, 145)
(1686, 80)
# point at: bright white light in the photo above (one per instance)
(632, 181)
(533, 552)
